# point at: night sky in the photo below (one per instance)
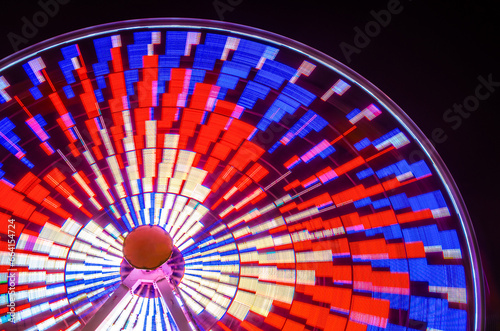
(429, 58)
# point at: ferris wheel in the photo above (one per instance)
(182, 174)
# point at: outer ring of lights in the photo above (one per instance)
(354, 77)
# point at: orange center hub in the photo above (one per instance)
(147, 247)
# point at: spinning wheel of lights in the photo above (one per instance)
(297, 195)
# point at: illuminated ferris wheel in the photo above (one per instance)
(181, 174)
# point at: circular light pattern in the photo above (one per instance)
(147, 247)
(297, 195)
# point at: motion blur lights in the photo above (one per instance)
(281, 182)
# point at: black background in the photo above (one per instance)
(426, 59)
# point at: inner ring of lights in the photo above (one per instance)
(288, 182)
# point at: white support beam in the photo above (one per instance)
(168, 296)
(103, 316)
